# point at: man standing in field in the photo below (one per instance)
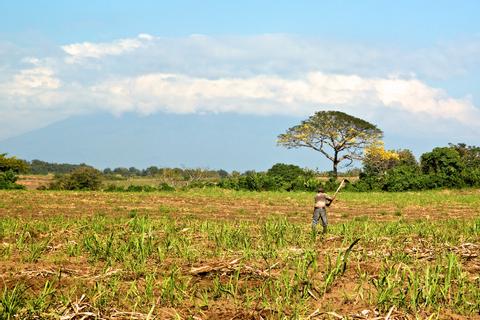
(322, 200)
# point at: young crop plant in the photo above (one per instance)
(43, 301)
(114, 255)
(339, 269)
(11, 301)
(36, 250)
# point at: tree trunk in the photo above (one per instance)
(335, 164)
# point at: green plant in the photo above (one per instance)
(81, 178)
(43, 301)
(340, 267)
(11, 301)
(36, 249)
(8, 180)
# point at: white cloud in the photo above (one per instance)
(38, 78)
(276, 95)
(233, 56)
(265, 74)
(79, 51)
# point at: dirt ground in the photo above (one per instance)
(338, 303)
(33, 182)
(225, 205)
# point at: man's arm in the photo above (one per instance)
(329, 200)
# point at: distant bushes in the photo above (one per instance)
(139, 188)
(43, 167)
(281, 177)
(82, 178)
(455, 166)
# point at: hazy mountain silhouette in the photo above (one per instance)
(215, 141)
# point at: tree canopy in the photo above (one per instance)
(377, 160)
(13, 164)
(9, 168)
(288, 172)
(82, 178)
(337, 135)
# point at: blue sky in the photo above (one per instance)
(411, 67)
(411, 22)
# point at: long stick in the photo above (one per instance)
(338, 189)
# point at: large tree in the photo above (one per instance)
(337, 135)
(9, 168)
(13, 164)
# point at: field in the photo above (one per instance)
(217, 254)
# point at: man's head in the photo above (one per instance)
(321, 190)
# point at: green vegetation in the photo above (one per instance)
(148, 256)
(279, 177)
(10, 167)
(455, 166)
(8, 180)
(43, 167)
(81, 178)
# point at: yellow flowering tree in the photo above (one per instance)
(336, 135)
(377, 160)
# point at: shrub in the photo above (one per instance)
(367, 183)
(8, 179)
(403, 178)
(312, 184)
(442, 161)
(134, 188)
(83, 178)
(9, 168)
(288, 172)
(230, 183)
(130, 188)
(471, 177)
(114, 188)
(200, 184)
(149, 188)
(165, 187)
(263, 182)
(281, 176)
(305, 184)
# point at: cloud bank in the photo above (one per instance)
(262, 75)
(267, 95)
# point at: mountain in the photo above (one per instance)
(214, 141)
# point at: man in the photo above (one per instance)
(322, 200)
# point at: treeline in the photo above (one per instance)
(154, 171)
(280, 177)
(454, 166)
(43, 167)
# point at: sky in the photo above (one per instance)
(410, 67)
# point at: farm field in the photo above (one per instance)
(221, 254)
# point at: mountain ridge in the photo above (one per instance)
(214, 141)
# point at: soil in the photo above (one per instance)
(338, 302)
